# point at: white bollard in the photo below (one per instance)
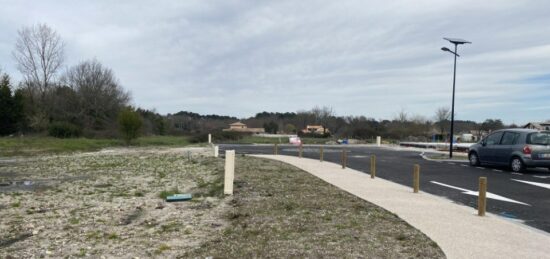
(216, 151)
(209, 138)
(378, 140)
(229, 172)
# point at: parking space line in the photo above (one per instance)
(517, 173)
(543, 185)
(542, 176)
(451, 163)
(496, 170)
(475, 193)
(464, 165)
(483, 168)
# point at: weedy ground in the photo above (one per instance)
(279, 211)
(110, 204)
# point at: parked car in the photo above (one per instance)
(516, 148)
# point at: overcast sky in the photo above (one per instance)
(369, 58)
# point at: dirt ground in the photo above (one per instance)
(108, 203)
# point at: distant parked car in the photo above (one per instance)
(516, 148)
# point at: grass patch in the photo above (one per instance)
(282, 140)
(166, 193)
(34, 145)
(279, 211)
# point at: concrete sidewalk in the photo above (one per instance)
(455, 228)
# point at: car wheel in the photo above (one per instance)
(517, 165)
(474, 159)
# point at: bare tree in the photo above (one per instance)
(442, 115)
(99, 93)
(39, 52)
(322, 115)
(402, 116)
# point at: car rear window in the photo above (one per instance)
(539, 138)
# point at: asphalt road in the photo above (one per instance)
(527, 201)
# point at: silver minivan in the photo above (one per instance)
(516, 148)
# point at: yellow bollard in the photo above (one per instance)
(321, 154)
(416, 178)
(372, 166)
(482, 198)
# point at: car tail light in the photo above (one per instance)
(527, 150)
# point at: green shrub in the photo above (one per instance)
(62, 129)
(129, 123)
(219, 136)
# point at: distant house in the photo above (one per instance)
(537, 125)
(315, 129)
(241, 127)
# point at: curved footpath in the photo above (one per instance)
(455, 228)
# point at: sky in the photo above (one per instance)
(372, 58)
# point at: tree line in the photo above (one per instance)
(86, 99)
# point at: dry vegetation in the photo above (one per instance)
(279, 211)
(108, 204)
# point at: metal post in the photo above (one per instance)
(453, 106)
(482, 197)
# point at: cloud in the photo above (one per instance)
(360, 57)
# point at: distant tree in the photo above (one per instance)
(290, 128)
(39, 52)
(442, 115)
(11, 107)
(322, 116)
(99, 94)
(271, 127)
(129, 123)
(492, 124)
(402, 116)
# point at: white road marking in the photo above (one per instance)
(496, 170)
(464, 165)
(358, 156)
(451, 163)
(542, 176)
(543, 185)
(474, 193)
(480, 167)
(517, 173)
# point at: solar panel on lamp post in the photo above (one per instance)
(456, 42)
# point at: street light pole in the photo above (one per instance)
(453, 106)
(455, 42)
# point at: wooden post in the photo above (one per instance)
(275, 149)
(378, 141)
(209, 138)
(416, 178)
(482, 198)
(216, 151)
(300, 150)
(343, 158)
(372, 166)
(229, 172)
(321, 154)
